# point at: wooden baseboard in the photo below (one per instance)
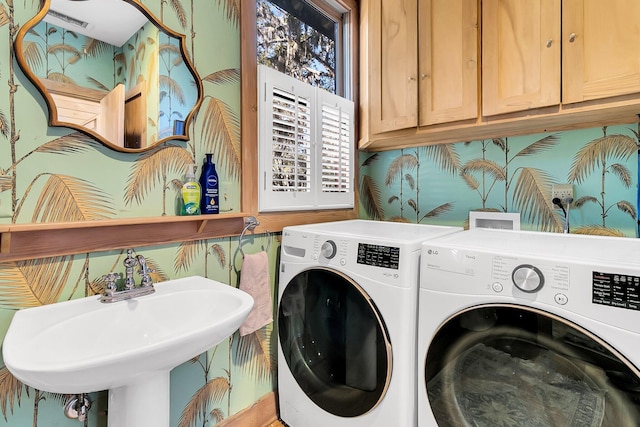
(261, 414)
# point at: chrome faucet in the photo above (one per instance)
(111, 292)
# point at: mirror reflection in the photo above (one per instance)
(110, 70)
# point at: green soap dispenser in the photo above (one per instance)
(190, 193)
(209, 202)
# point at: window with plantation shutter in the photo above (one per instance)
(306, 140)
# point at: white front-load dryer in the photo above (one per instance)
(522, 328)
(347, 306)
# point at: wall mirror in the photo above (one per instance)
(110, 69)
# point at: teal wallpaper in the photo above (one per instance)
(440, 184)
(55, 174)
(57, 53)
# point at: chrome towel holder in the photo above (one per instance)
(250, 223)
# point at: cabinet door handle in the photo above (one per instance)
(572, 37)
(549, 42)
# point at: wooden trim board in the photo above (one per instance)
(261, 414)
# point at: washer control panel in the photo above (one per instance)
(343, 251)
(390, 261)
(378, 255)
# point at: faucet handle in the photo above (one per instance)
(111, 278)
(144, 271)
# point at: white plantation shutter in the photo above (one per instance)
(337, 137)
(290, 142)
(306, 140)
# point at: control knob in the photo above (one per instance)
(527, 278)
(328, 249)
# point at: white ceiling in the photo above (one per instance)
(111, 21)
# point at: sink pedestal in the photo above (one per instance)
(145, 402)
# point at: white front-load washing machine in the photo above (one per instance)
(522, 329)
(347, 306)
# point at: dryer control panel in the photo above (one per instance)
(593, 277)
(616, 290)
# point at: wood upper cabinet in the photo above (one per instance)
(546, 65)
(600, 49)
(420, 64)
(392, 65)
(448, 61)
(520, 55)
(542, 53)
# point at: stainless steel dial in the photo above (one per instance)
(527, 278)
(328, 249)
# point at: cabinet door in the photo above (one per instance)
(111, 122)
(448, 54)
(520, 55)
(393, 64)
(600, 42)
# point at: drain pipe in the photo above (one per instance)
(77, 407)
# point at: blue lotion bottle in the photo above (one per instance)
(209, 202)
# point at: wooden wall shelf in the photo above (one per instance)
(28, 241)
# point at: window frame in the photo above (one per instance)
(274, 221)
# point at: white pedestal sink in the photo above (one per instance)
(127, 347)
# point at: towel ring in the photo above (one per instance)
(250, 223)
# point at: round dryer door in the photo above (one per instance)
(334, 342)
(508, 365)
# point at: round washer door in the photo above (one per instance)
(334, 342)
(511, 365)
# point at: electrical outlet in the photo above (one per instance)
(562, 191)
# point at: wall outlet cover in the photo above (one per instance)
(562, 191)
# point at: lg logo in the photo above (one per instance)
(432, 252)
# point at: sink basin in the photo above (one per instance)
(127, 347)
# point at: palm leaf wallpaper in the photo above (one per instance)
(55, 174)
(432, 186)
